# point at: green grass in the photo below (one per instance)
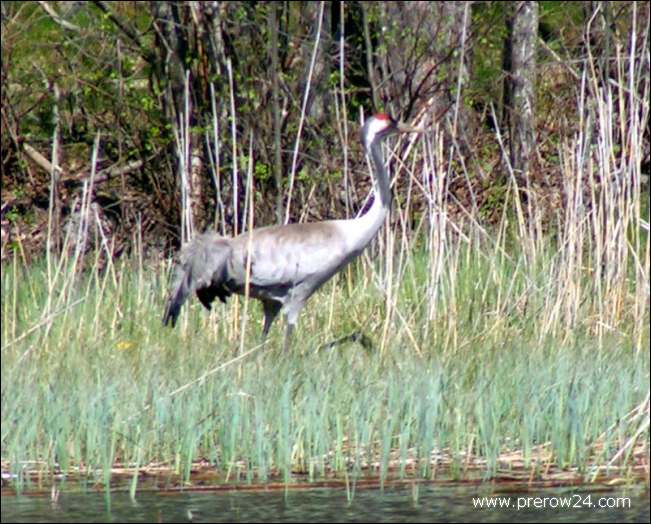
(529, 339)
(463, 365)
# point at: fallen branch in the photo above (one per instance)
(40, 160)
(79, 177)
(104, 174)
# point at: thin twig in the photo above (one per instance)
(306, 96)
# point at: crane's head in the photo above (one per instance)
(380, 126)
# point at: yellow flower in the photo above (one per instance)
(124, 345)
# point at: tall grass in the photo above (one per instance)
(484, 343)
(105, 384)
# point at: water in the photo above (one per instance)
(424, 503)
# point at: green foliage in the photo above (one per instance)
(262, 171)
(486, 85)
(461, 370)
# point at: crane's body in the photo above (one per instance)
(287, 263)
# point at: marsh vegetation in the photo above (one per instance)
(506, 332)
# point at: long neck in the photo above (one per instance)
(367, 226)
(382, 189)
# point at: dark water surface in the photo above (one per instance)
(421, 503)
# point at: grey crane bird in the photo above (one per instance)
(288, 263)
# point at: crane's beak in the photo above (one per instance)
(406, 128)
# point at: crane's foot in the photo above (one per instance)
(357, 337)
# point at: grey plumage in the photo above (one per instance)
(288, 263)
(202, 270)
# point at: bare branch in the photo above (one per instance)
(127, 29)
(69, 26)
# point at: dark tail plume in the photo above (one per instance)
(202, 268)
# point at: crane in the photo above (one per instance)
(286, 264)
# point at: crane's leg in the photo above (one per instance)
(290, 312)
(271, 309)
(288, 335)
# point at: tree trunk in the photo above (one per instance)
(519, 87)
(275, 105)
(319, 99)
(457, 17)
(173, 47)
(370, 67)
(174, 30)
